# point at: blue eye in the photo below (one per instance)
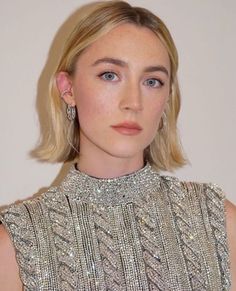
(109, 76)
(154, 83)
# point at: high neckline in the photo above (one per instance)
(118, 190)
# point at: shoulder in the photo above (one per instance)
(230, 210)
(198, 200)
(9, 271)
(21, 220)
(194, 190)
(23, 211)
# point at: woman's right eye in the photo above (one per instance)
(109, 76)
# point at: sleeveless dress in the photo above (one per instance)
(138, 232)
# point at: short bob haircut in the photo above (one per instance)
(61, 142)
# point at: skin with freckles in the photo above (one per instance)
(121, 77)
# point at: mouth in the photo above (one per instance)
(128, 128)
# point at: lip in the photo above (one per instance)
(128, 128)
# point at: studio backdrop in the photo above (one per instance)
(32, 33)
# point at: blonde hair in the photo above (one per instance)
(61, 142)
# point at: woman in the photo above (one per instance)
(114, 223)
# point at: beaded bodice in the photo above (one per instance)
(141, 231)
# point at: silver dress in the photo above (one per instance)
(138, 232)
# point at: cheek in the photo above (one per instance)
(156, 110)
(90, 104)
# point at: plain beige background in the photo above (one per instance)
(204, 32)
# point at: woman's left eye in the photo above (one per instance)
(109, 76)
(154, 83)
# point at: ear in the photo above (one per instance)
(64, 85)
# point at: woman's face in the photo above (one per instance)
(120, 87)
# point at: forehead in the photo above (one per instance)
(130, 43)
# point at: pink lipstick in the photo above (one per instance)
(128, 128)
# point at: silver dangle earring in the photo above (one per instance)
(71, 112)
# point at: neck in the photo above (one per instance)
(106, 166)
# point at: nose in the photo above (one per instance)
(131, 98)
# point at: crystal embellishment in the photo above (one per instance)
(138, 232)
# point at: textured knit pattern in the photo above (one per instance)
(137, 232)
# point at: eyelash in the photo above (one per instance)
(161, 83)
(102, 76)
(106, 73)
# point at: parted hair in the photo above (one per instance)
(60, 143)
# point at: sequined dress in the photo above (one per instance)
(138, 232)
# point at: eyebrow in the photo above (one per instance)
(124, 64)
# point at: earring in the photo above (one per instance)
(71, 112)
(163, 121)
